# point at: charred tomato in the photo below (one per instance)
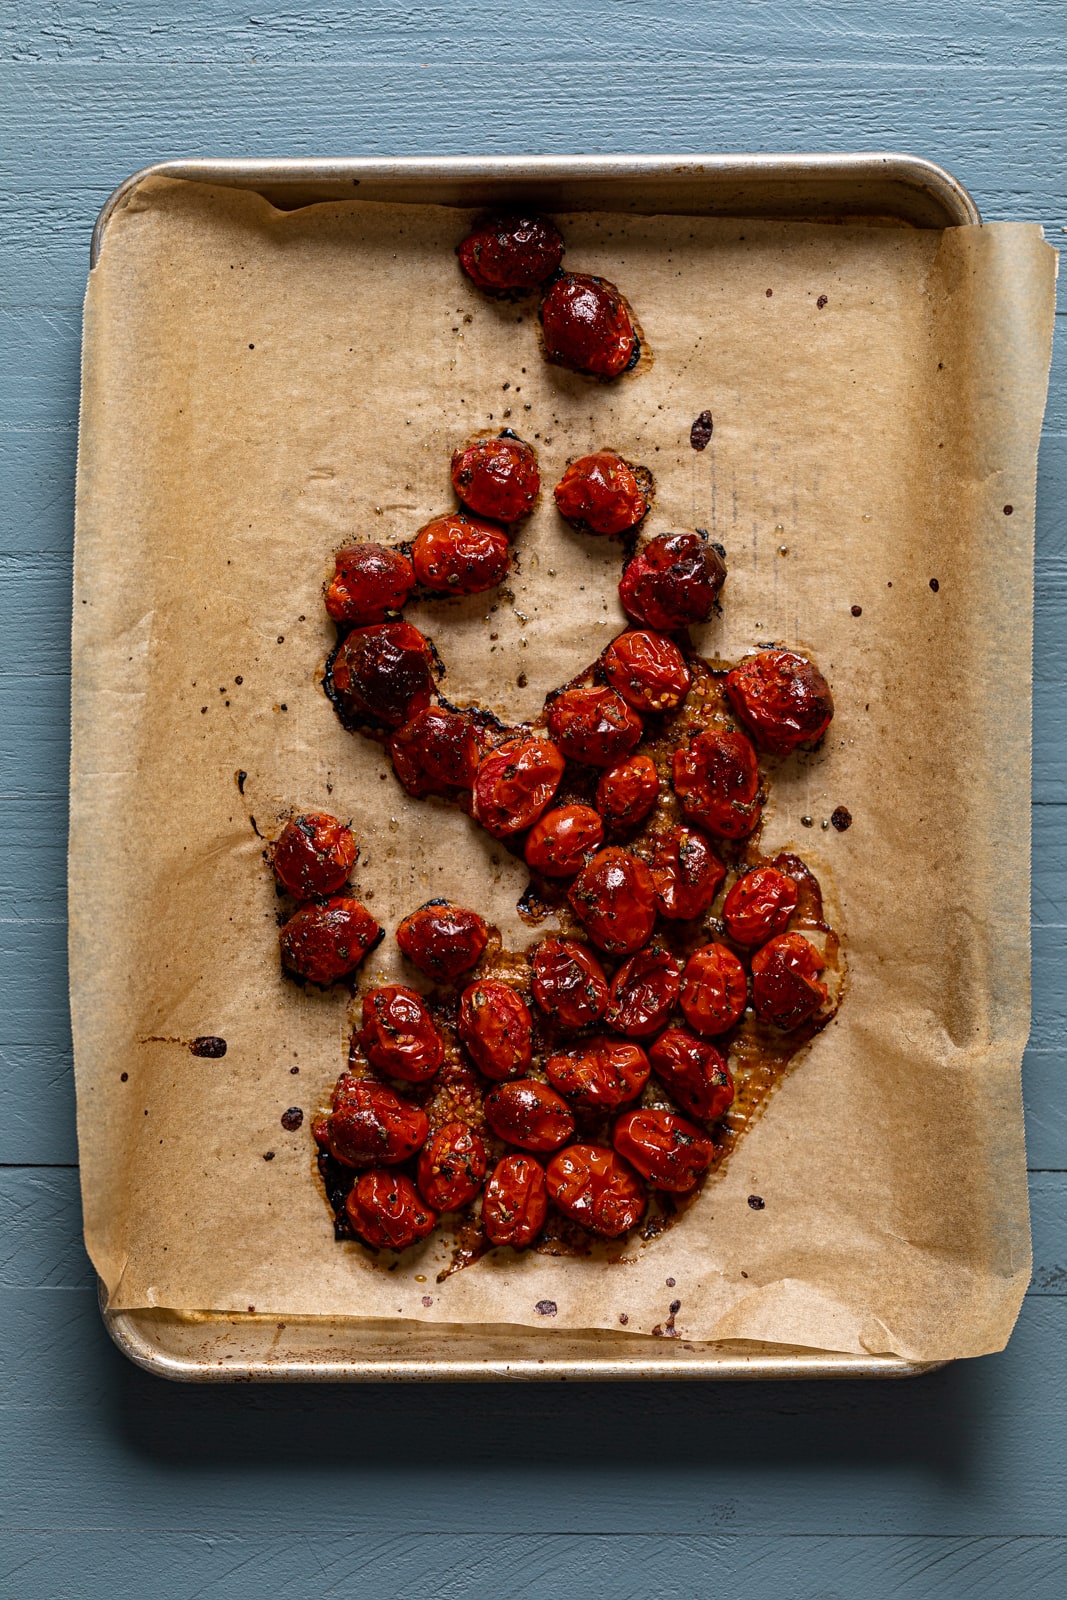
(673, 582)
(497, 478)
(694, 1072)
(759, 905)
(669, 1152)
(714, 989)
(558, 844)
(384, 672)
(399, 1036)
(529, 1114)
(782, 699)
(594, 726)
(461, 554)
(686, 873)
(369, 581)
(370, 1126)
(588, 327)
(614, 898)
(436, 751)
(602, 493)
(451, 1167)
(568, 982)
(511, 254)
(387, 1211)
(514, 784)
(323, 943)
(716, 777)
(648, 670)
(644, 992)
(597, 1189)
(785, 986)
(313, 855)
(515, 1202)
(442, 939)
(497, 1029)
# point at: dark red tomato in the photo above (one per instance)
(496, 1026)
(511, 253)
(451, 1167)
(600, 492)
(627, 791)
(313, 855)
(686, 873)
(673, 582)
(643, 993)
(398, 1035)
(497, 478)
(694, 1072)
(529, 1114)
(597, 1189)
(614, 897)
(514, 784)
(558, 845)
(568, 982)
(785, 986)
(370, 581)
(436, 752)
(782, 698)
(759, 905)
(600, 1073)
(387, 1211)
(371, 1126)
(648, 670)
(593, 725)
(442, 940)
(515, 1202)
(716, 777)
(459, 554)
(587, 326)
(669, 1152)
(714, 989)
(325, 942)
(384, 672)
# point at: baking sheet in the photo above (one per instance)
(260, 387)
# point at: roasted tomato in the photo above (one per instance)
(370, 581)
(615, 899)
(384, 672)
(643, 993)
(497, 478)
(496, 1026)
(511, 253)
(597, 1189)
(558, 845)
(716, 778)
(313, 855)
(514, 784)
(593, 725)
(673, 582)
(436, 752)
(451, 1167)
(325, 942)
(782, 698)
(648, 670)
(387, 1211)
(686, 873)
(669, 1152)
(442, 940)
(459, 554)
(627, 791)
(694, 1072)
(515, 1202)
(398, 1035)
(714, 989)
(785, 986)
(568, 982)
(587, 326)
(601, 492)
(371, 1126)
(529, 1114)
(759, 905)
(600, 1073)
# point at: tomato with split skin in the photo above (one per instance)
(782, 698)
(515, 783)
(568, 982)
(497, 1029)
(399, 1036)
(443, 939)
(451, 1167)
(686, 874)
(369, 1125)
(515, 1203)
(759, 905)
(644, 992)
(714, 989)
(716, 778)
(497, 478)
(325, 942)
(785, 981)
(313, 855)
(560, 841)
(648, 670)
(601, 493)
(694, 1072)
(597, 1189)
(436, 752)
(668, 1151)
(511, 254)
(601, 1073)
(387, 1211)
(593, 725)
(673, 582)
(614, 897)
(627, 791)
(369, 582)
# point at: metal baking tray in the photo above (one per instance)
(885, 189)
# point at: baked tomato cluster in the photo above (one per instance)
(328, 935)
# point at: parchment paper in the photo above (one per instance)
(261, 387)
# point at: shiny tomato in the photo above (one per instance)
(313, 855)
(568, 982)
(442, 940)
(627, 791)
(384, 672)
(509, 254)
(323, 943)
(599, 1073)
(643, 992)
(371, 1126)
(496, 1026)
(558, 844)
(669, 1152)
(587, 326)
(759, 905)
(436, 752)
(714, 989)
(716, 778)
(673, 582)
(782, 699)
(460, 554)
(600, 492)
(594, 726)
(694, 1072)
(387, 1211)
(596, 1188)
(514, 784)
(615, 899)
(648, 670)
(515, 1202)
(785, 986)
(497, 478)
(529, 1114)
(686, 873)
(399, 1036)
(451, 1167)
(370, 581)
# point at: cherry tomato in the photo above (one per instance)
(497, 478)
(384, 672)
(643, 993)
(387, 1211)
(313, 855)
(782, 698)
(593, 725)
(694, 1072)
(614, 897)
(325, 942)
(587, 326)
(686, 873)
(785, 987)
(442, 940)
(451, 1167)
(669, 1152)
(627, 791)
(759, 905)
(511, 253)
(597, 1189)
(515, 1202)
(673, 582)
(558, 845)
(398, 1035)
(716, 778)
(435, 752)
(568, 982)
(460, 554)
(514, 784)
(529, 1114)
(600, 492)
(648, 670)
(370, 580)
(496, 1026)
(714, 989)
(371, 1126)
(599, 1073)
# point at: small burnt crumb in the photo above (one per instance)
(701, 431)
(522, 680)
(935, 586)
(757, 1202)
(241, 779)
(670, 1283)
(292, 1119)
(546, 1308)
(268, 1155)
(252, 1309)
(124, 1077)
(293, 1071)
(820, 302)
(623, 1318)
(857, 611)
(427, 1299)
(841, 818)
(807, 822)
(769, 293)
(238, 680)
(208, 1045)
(676, 1306)
(1008, 510)
(281, 638)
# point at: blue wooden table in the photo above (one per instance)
(117, 1485)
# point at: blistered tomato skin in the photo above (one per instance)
(369, 582)
(782, 699)
(529, 1114)
(601, 1074)
(648, 670)
(515, 1203)
(668, 1151)
(714, 989)
(371, 1126)
(594, 726)
(614, 898)
(568, 982)
(399, 1036)
(442, 939)
(511, 254)
(694, 1072)
(387, 1211)
(673, 582)
(497, 478)
(601, 493)
(514, 784)
(686, 874)
(323, 943)
(436, 752)
(644, 992)
(313, 855)
(759, 905)
(597, 1189)
(716, 777)
(627, 791)
(587, 326)
(497, 1029)
(384, 672)
(451, 1167)
(785, 986)
(557, 845)
(461, 554)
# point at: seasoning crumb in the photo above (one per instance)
(701, 431)
(841, 818)
(293, 1071)
(623, 1318)
(427, 1299)
(670, 1283)
(820, 302)
(935, 586)
(208, 1045)
(857, 611)
(546, 1308)
(124, 1077)
(757, 1202)
(1008, 510)
(807, 822)
(268, 1155)
(292, 1119)
(522, 680)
